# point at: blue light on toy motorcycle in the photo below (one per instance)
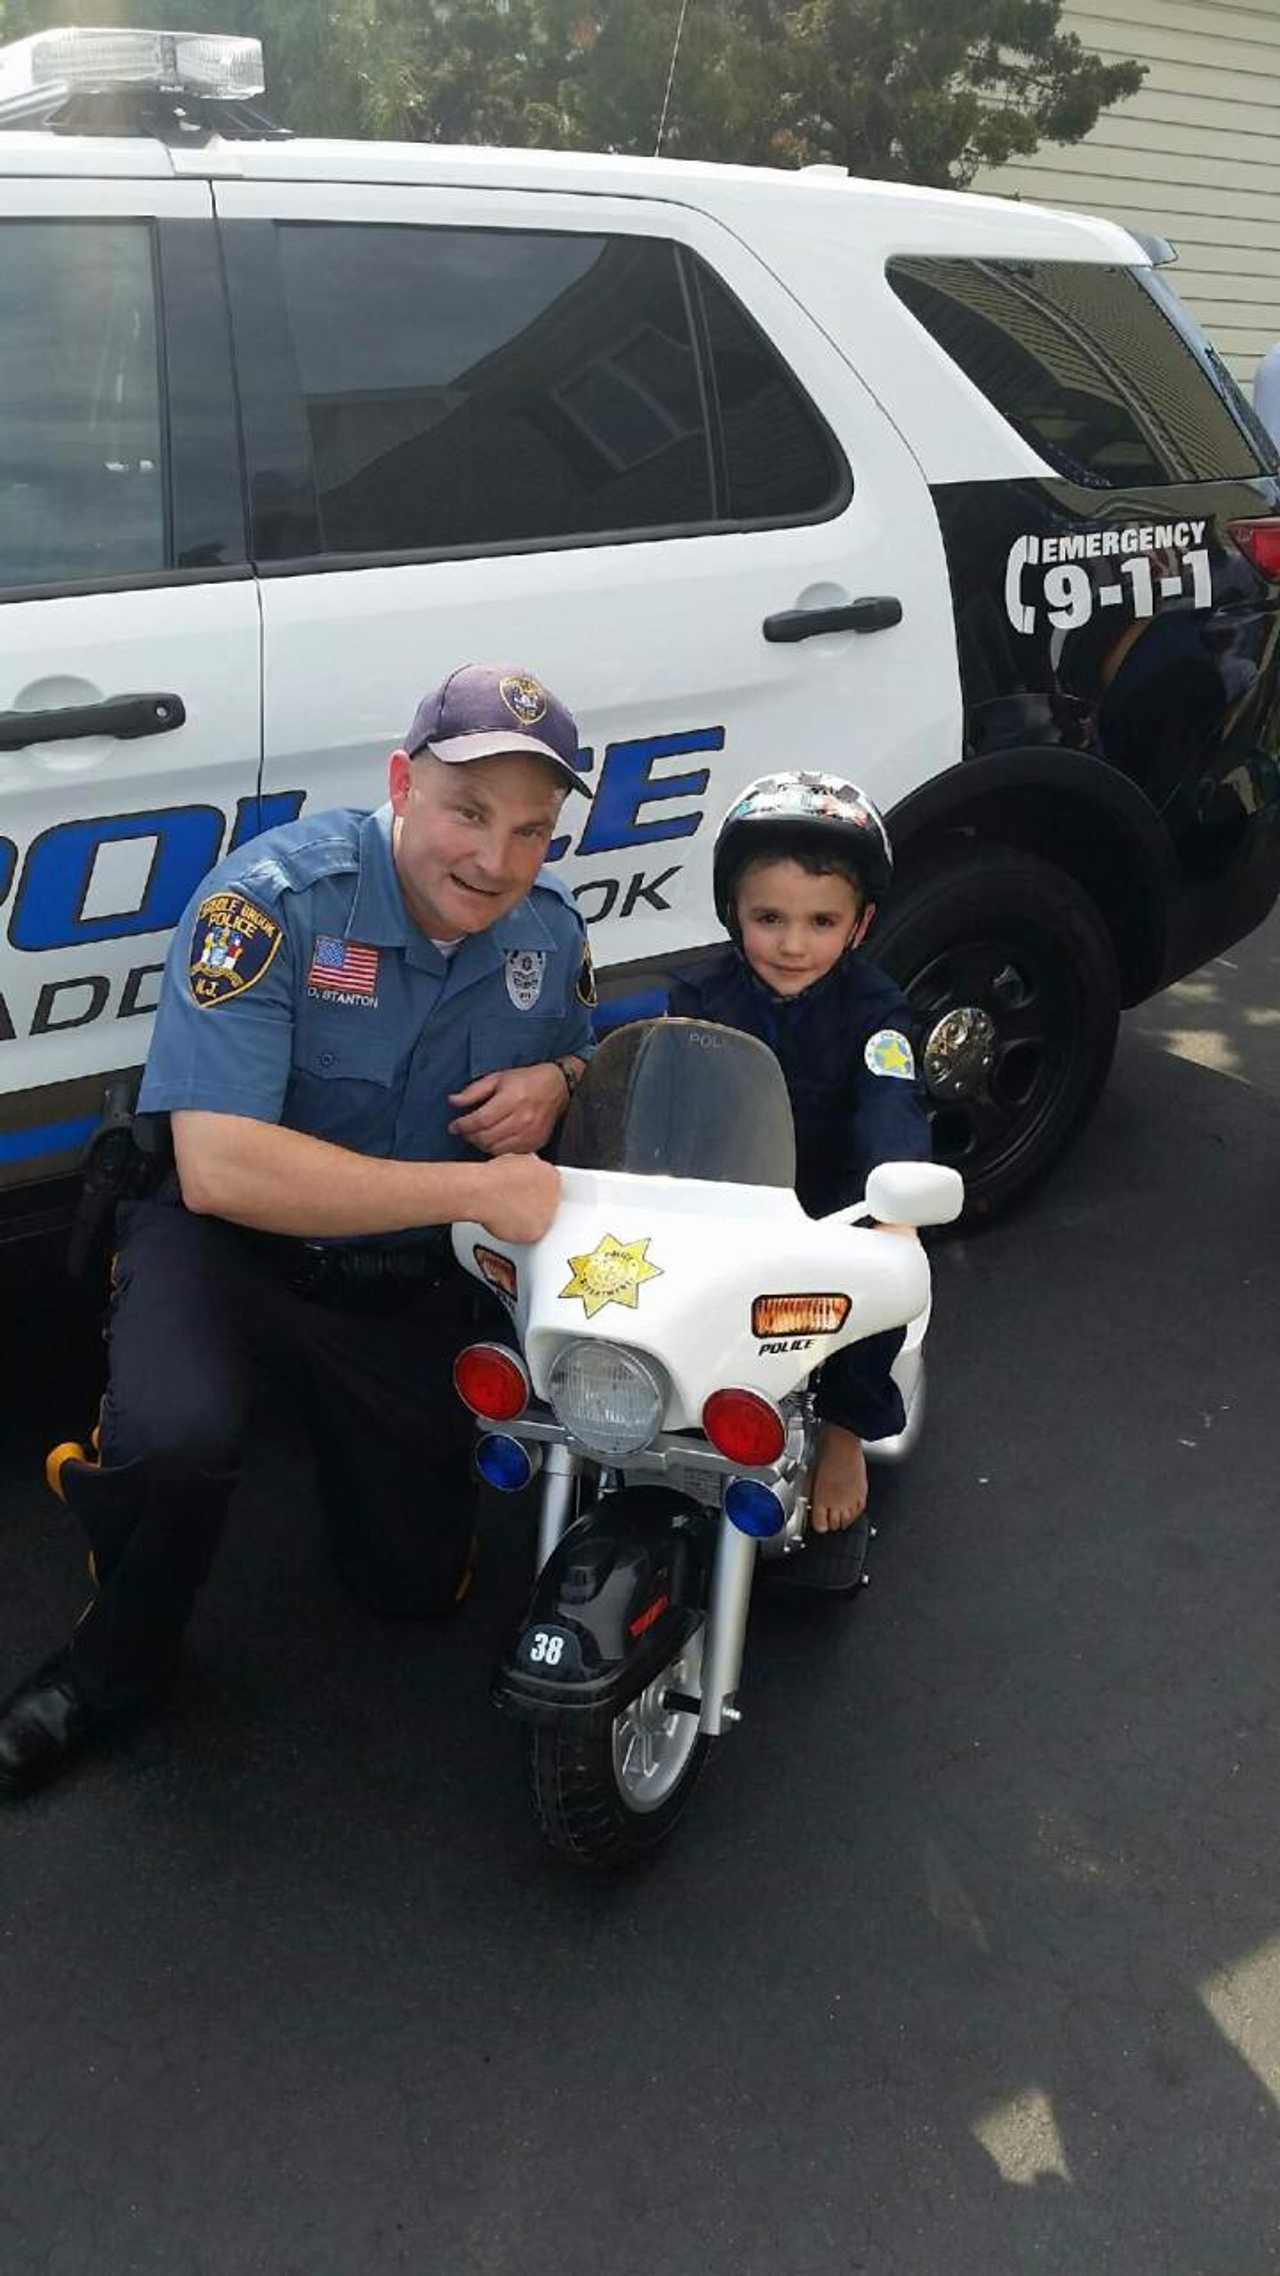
(753, 1508)
(504, 1462)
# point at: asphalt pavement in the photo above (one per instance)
(967, 1957)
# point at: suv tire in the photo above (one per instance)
(1015, 993)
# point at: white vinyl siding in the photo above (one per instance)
(1195, 156)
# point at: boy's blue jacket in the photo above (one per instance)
(831, 1043)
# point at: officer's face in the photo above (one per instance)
(794, 926)
(470, 839)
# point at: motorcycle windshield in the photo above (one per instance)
(680, 1098)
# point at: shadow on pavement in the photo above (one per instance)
(1227, 1016)
(968, 1956)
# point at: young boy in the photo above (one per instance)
(801, 863)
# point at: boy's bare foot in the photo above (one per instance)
(838, 1493)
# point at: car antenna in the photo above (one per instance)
(671, 77)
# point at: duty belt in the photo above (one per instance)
(359, 1274)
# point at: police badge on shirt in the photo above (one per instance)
(526, 970)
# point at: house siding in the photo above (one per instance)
(1194, 156)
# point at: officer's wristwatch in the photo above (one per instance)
(571, 1075)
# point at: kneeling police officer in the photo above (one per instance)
(369, 1024)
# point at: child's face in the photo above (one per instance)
(796, 927)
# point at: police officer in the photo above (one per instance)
(369, 1024)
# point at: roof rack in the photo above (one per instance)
(179, 86)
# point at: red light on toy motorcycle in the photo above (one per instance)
(1260, 543)
(491, 1381)
(744, 1427)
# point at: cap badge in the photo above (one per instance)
(524, 699)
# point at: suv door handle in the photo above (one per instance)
(875, 613)
(124, 716)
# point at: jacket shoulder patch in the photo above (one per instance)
(233, 944)
(889, 1053)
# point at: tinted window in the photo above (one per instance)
(81, 471)
(474, 387)
(779, 459)
(1084, 362)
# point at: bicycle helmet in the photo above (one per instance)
(801, 814)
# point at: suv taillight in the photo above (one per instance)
(1260, 543)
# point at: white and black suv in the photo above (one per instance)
(757, 469)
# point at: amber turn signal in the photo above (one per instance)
(798, 1315)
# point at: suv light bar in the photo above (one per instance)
(80, 59)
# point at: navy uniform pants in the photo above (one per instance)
(208, 1325)
(857, 1389)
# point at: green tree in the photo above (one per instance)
(899, 90)
(933, 90)
(903, 90)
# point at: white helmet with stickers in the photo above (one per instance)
(804, 814)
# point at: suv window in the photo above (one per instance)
(1086, 365)
(779, 459)
(82, 491)
(483, 388)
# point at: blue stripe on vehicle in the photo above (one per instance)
(46, 1138)
(650, 1003)
(62, 1137)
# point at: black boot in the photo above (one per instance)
(51, 1716)
(44, 1724)
(153, 1529)
(151, 1537)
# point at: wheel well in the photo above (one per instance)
(1094, 846)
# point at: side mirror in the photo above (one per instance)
(915, 1193)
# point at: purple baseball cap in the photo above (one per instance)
(483, 711)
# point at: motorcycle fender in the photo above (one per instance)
(618, 1598)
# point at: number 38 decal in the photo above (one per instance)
(546, 1647)
(1126, 569)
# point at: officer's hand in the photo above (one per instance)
(522, 1195)
(513, 1112)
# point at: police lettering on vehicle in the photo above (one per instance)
(1142, 563)
(50, 888)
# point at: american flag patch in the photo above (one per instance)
(343, 968)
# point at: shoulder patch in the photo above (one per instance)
(586, 988)
(233, 944)
(889, 1053)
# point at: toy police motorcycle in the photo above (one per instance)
(668, 1326)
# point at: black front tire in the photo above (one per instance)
(1016, 941)
(582, 1808)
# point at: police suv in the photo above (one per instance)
(757, 469)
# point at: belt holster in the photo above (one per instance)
(128, 1156)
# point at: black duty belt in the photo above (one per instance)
(359, 1274)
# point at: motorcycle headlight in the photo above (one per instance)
(609, 1399)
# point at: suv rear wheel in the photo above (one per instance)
(1011, 975)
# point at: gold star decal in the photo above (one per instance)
(613, 1273)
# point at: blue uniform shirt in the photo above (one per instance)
(844, 1047)
(298, 990)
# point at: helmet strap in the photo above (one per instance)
(862, 928)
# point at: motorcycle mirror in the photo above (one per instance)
(914, 1193)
